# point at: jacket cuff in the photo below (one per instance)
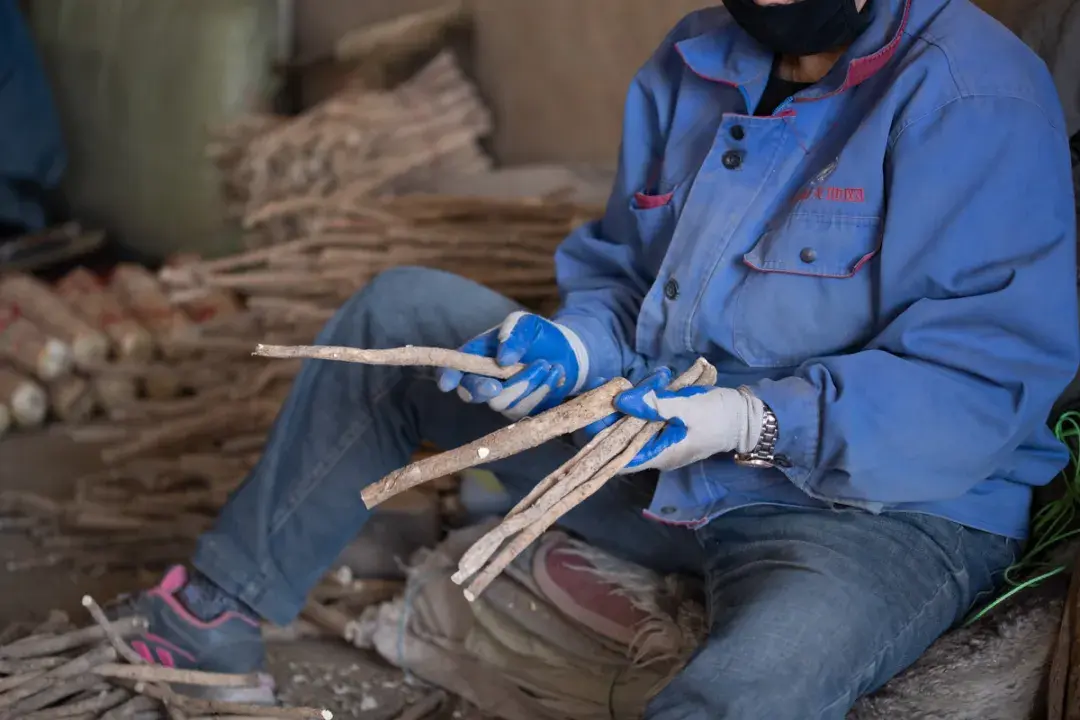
(794, 401)
(604, 353)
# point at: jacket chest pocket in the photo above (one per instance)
(808, 290)
(654, 217)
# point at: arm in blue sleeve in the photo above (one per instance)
(598, 267)
(979, 253)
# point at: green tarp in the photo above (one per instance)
(138, 84)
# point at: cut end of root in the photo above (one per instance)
(327, 715)
(87, 601)
(470, 596)
(55, 361)
(458, 578)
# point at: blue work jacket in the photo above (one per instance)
(888, 262)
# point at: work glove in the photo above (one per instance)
(700, 422)
(557, 366)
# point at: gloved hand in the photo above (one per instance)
(701, 422)
(557, 366)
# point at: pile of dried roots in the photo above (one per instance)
(164, 370)
(281, 174)
(158, 368)
(55, 672)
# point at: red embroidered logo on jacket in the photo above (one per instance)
(833, 194)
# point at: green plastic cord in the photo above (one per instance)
(1053, 525)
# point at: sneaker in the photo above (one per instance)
(175, 637)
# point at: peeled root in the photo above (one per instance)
(403, 356)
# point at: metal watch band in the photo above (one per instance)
(763, 454)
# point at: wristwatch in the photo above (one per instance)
(763, 455)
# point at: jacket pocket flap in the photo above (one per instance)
(817, 246)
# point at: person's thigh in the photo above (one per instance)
(812, 609)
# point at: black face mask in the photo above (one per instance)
(806, 27)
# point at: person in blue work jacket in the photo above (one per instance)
(862, 215)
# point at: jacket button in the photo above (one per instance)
(737, 132)
(671, 290)
(808, 255)
(731, 160)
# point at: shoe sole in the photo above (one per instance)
(262, 695)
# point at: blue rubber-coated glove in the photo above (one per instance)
(701, 422)
(557, 366)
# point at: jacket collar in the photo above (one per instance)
(729, 56)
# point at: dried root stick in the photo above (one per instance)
(588, 461)
(14, 681)
(25, 399)
(29, 667)
(79, 666)
(109, 630)
(414, 356)
(54, 693)
(198, 706)
(578, 470)
(529, 535)
(700, 373)
(511, 440)
(29, 349)
(50, 646)
(51, 315)
(90, 707)
(131, 708)
(156, 673)
(555, 477)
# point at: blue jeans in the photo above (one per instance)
(838, 600)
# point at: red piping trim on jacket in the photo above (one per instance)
(862, 69)
(649, 202)
(859, 70)
(858, 266)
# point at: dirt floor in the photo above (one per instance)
(321, 673)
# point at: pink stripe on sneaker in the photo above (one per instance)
(174, 580)
(171, 646)
(166, 658)
(144, 652)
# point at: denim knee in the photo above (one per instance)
(694, 695)
(415, 305)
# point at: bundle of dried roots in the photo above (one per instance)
(572, 483)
